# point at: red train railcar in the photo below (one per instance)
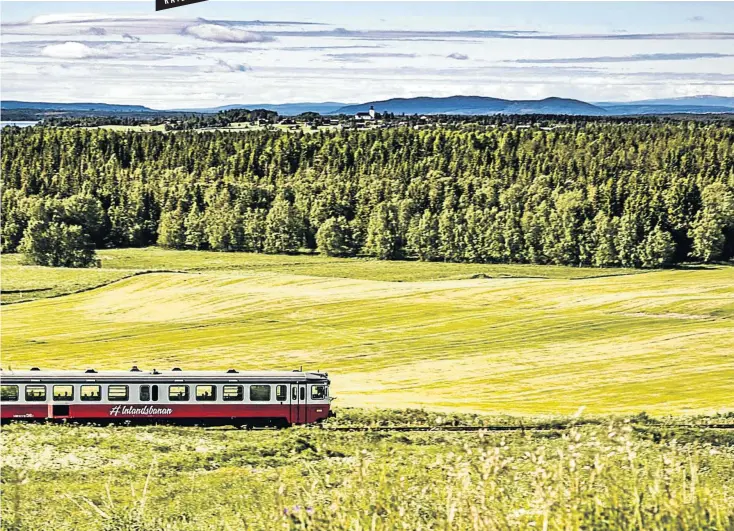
(180, 397)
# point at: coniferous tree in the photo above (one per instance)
(422, 237)
(195, 228)
(603, 241)
(712, 222)
(253, 226)
(503, 194)
(172, 230)
(381, 233)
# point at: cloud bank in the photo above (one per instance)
(626, 58)
(345, 55)
(70, 50)
(219, 33)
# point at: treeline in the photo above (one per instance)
(601, 194)
(223, 119)
(174, 121)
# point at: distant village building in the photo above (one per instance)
(366, 115)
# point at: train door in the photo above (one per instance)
(62, 395)
(298, 404)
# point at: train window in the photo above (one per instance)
(294, 394)
(63, 393)
(144, 393)
(281, 393)
(35, 393)
(9, 393)
(117, 393)
(178, 393)
(91, 393)
(231, 393)
(155, 393)
(259, 393)
(206, 393)
(303, 393)
(318, 392)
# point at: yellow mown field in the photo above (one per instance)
(661, 342)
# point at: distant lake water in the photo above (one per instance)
(19, 124)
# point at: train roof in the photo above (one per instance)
(175, 374)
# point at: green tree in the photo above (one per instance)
(195, 228)
(224, 231)
(657, 249)
(381, 233)
(333, 238)
(450, 235)
(57, 244)
(86, 211)
(284, 228)
(172, 230)
(253, 227)
(709, 230)
(603, 241)
(708, 236)
(423, 236)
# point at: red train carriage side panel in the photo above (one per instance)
(275, 398)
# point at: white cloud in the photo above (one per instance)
(224, 66)
(458, 56)
(54, 18)
(70, 50)
(219, 33)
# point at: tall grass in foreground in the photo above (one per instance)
(595, 477)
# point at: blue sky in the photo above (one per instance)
(224, 52)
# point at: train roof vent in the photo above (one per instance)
(35, 369)
(135, 369)
(232, 371)
(176, 369)
(90, 371)
(155, 371)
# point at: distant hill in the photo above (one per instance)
(283, 109)
(687, 104)
(476, 105)
(47, 106)
(686, 101)
(461, 105)
(656, 109)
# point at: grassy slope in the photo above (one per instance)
(24, 283)
(660, 342)
(29, 283)
(610, 476)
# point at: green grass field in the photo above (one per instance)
(616, 475)
(135, 128)
(491, 338)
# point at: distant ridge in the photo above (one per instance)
(46, 106)
(476, 105)
(461, 105)
(703, 100)
(283, 109)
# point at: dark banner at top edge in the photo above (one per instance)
(168, 4)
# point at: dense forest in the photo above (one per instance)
(593, 193)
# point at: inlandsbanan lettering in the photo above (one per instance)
(145, 410)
